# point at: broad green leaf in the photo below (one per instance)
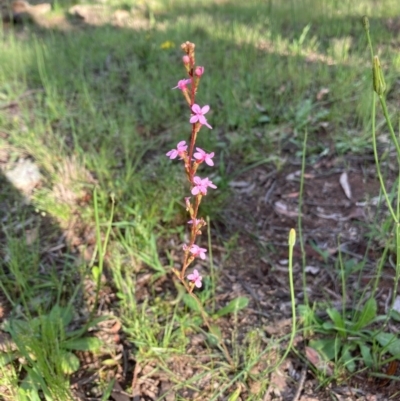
(30, 386)
(22, 395)
(190, 302)
(17, 327)
(367, 314)
(395, 315)
(347, 358)
(328, 326)
(28, 394)
(328, 347)
(69, 363)
(337, 318)
(83, 344)
(234, 306)
(366, 354)
(390, 342)
(64, 314)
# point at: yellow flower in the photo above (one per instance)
(167, 45)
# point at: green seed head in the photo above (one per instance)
(365, 22)
(377, 75)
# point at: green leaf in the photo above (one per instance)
(337, 318)
(328, 326)
(32, 383)
(17, 327)
(6, 358)
(390, 342)
(94, 322)
(264, 119)
(365, 351)
(110, 362)
(58, 313)
(216, 331)
(348, 358)
(234, 306)
(108, 390)
(83, 344)
(395, 315)
(235, 395)
(328, 347)
(95, 273)
(69, 363)
(190, 302)
(367, 314)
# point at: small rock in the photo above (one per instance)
(25, 176)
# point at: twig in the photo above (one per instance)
(301, 383)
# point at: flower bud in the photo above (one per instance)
(378, 79)
(187, 203)
(292, 237)
(186, 59)
(365, 22)
(199, 71)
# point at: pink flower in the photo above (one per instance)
(198, 115)
(179, 151)
(202, 156)
(201, 186)
(186, 59)
(197, 221)
(195, 278)
(199, 71)
(182, 84)
(198, 252)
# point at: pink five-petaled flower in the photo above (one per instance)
(182, 84)
(179, 151)
(202, 156)
(198, 115)
(198, 252)
(195, 278)
(201, 185)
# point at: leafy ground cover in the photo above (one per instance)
(88, 302)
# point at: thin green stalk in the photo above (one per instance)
(390, 126)
(292, 241)
(212, 269)
(366, 27)
(376, 157)
(343, 281)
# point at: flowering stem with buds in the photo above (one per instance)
(199, 186)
